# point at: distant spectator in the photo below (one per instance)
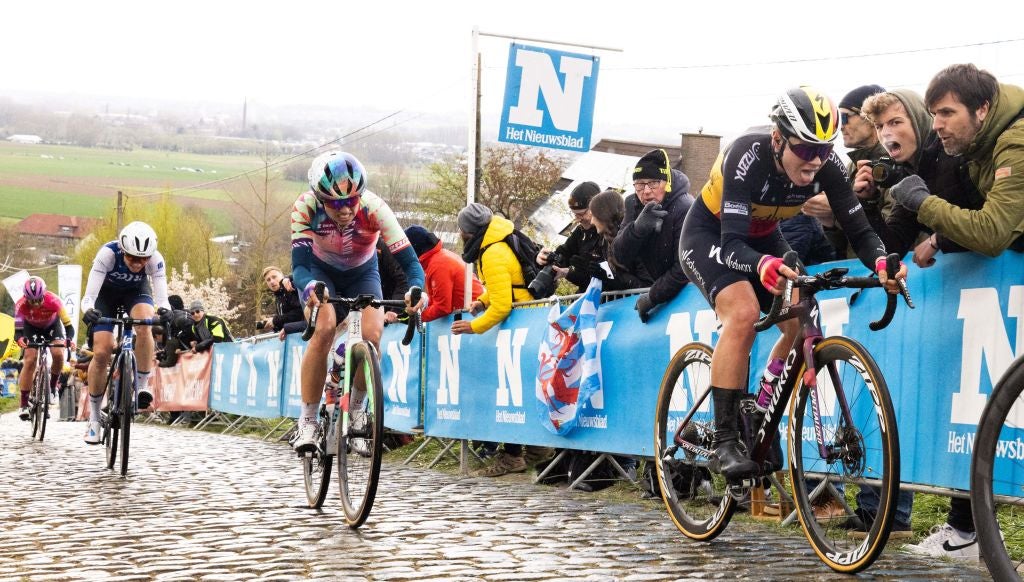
(445, 274)
(393, 284)
(287, 305)
(607, 211)
(179, 333)
(207, 329)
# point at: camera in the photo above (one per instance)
(543, 285)
(886, 172)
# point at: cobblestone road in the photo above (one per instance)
(198, 506)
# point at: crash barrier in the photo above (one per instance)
(940, 361)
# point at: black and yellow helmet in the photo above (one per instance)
(808, 115)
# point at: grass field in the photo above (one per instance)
(85, 181)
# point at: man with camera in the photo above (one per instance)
(579, 258)
(652, 228)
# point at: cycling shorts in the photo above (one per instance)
(111, 298)
(700, 249)
(350, 283)
(53, 333)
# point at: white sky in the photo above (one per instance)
(413, 56)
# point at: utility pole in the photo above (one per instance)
(120, 211)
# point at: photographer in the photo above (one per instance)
(578, 259)
(653, 225)
(904, 130)
(286, 298)
(179, 336)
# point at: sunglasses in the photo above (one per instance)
(195, 311)
(349, 202)
(808, 152)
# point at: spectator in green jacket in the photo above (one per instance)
(207, 329)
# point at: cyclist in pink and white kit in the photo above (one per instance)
(335, 227)
(40, 314)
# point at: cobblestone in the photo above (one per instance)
(200, 506)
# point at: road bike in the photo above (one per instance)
(842, 432)
(121, 396)
(997, 477)
(39, 395)
(360, 461)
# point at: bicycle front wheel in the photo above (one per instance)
(127, 407)
(40, 386)
(861, 451)
(43, 410)
(316, 467)
(359, 456)
(697, 500)
(110, 421)
(997, 475)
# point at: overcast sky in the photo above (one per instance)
(413, 56)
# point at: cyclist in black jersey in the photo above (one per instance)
(731, 244)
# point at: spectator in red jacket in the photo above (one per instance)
(445, 274)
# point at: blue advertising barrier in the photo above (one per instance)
(245, 379)
(400, 368)
(939, 360)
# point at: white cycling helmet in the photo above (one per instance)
(138, 239)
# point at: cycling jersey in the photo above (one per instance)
(748, 197)
(317, 240)
(41, 315)
(110, 274)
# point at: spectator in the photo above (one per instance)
(207, 329)
(860, 137)
(286, 298)
(393, 283)
(607, 211)
(483, 237)
(653, 225)
(445, 274)
(978, 118)
(179, 332)
(579, 256)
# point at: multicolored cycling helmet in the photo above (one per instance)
(35, 289)
(336, 176)
(808, 115)
(138, 239)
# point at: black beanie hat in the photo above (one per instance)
(422, 240)
(855, 99)
(654, 166)
(580, 197)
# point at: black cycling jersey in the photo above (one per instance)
(749, 196)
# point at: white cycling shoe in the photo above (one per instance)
(93, 433)
(305, 438)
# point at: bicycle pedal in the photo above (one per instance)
(739, 491)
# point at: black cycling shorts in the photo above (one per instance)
(53, 333)
(110, 298)
(700, 249)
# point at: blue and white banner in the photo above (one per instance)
(294, 349)
(246, 378)
(400, 372)
(549, 98)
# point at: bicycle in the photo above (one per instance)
(121, 390)
(996, 490)
(359, 465)
(39, 396)
(856, 444)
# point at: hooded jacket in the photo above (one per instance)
(289, 307)
(500, 273)
(445, 280)
(995, 163)
(657, 252)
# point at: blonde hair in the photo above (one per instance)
(875, 105)
(269, 269)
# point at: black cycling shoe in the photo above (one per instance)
(733, 463)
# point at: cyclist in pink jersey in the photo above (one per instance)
(40, 315)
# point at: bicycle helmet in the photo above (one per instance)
(35, 289)
(808, 115)
(138, 239)
(336, 176)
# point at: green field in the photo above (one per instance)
(84, 181)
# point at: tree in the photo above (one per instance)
(516, 180)
(211, 292)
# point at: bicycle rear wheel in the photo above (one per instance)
(862, 452)
(697, 500)
(359, 457)
(997, 493)
(127, 381)
(316, 466)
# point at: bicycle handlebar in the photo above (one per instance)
(835, 279)
(359, 303)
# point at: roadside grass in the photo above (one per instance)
(11, 403)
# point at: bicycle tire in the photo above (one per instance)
(357, 474)
(43, 412)
(127, 407)
(696, 499)
(869, 450)
(316, 467)
(994, 521)
(37, 411)
(111, 420)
